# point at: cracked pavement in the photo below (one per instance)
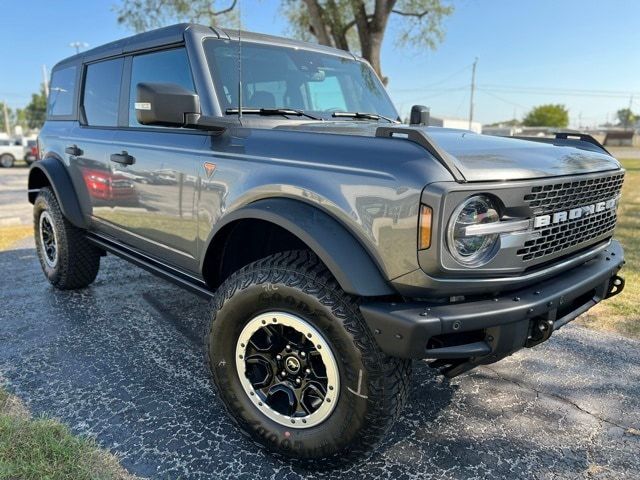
(123, 361)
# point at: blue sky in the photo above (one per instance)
(583, 53)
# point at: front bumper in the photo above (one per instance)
(460, 336)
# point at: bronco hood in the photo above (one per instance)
(489, 158)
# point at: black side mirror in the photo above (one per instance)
(419, 115)
(165, 104)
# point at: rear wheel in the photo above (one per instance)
(67, 258)
(7, 160)
(295, 364)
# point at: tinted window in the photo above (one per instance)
(102, 92)
(169, 66)
(62, 91)
(275, 76)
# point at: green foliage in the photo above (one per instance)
(35, 113)
(355, 25)
(550, 115)
(625, 117)
(34, 449)
(418, 22)
(143, 15)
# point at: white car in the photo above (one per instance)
(10, 151)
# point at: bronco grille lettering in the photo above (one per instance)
(574, 213)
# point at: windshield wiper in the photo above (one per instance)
(272, 111)
(368, 116)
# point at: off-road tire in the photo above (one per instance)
(78, 261)
(298, 283)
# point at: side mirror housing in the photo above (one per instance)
(419, 115)
(165, 104)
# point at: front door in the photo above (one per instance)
(156, 170)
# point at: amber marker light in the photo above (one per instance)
(424, 228)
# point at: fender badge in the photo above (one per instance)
(209, 168)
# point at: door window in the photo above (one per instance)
(168, 66)
(102, 93)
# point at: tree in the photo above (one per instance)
(346, 24)
(36, 112)
(625, 117)
(549, 115)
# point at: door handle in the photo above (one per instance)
(73, 150)
(124, 158)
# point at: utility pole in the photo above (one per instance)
(7, 127)
(628, 116)
(45, 80)
(473, 90)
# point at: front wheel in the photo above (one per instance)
(295, 364)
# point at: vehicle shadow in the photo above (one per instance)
(123, 361)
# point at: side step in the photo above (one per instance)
(166, 272)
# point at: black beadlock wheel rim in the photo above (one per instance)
(48, 239)
(287, 369)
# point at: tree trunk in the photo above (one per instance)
(377, 27)
(373, 54)
(318, 26)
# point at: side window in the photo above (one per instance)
(62, 92)
(102, 93)
(326, 95)
(168, 66)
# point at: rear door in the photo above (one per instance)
(160, 216)
(87, 146)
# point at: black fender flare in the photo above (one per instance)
(344, 256)
(56, 173)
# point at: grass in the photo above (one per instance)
(45, 449)
(621, 314)
(13, 234)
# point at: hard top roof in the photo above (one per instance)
(175, 34)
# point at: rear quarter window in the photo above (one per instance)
(62, 93)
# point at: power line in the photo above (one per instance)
(430, 86)
(512, 89)
(514, 104)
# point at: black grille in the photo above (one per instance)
(564, 196)
(567, 195)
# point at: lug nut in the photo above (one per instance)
(302, 354)
(288, 348)
(298, 381)
(307, 371)
(283, 373)
(278, 357)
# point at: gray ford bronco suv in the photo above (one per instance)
(336, 244)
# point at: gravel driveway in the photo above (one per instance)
(122, 361)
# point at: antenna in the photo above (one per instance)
(240, 61)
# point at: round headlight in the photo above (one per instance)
(466, 247)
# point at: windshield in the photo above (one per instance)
(285, 77)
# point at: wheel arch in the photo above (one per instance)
(51, 172)
(296, 225)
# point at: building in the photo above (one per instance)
(455, 123)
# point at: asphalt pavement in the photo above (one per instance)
(14, 207)
(123, 361)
